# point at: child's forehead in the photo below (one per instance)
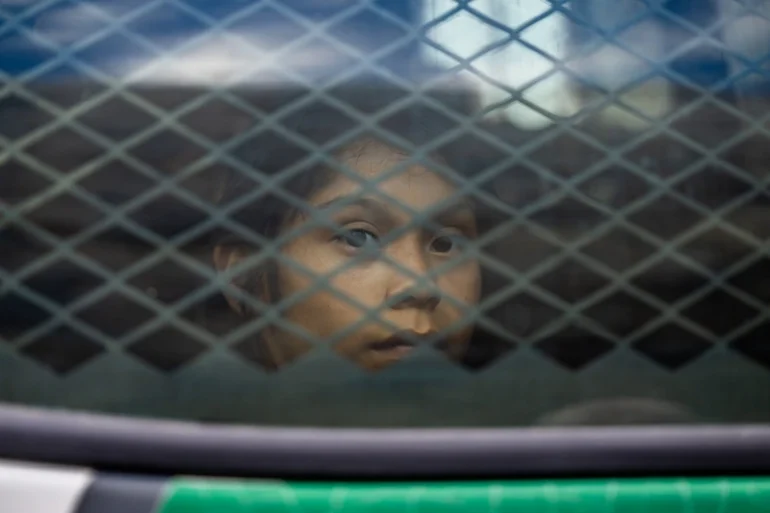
(388, 172)
(372, 158)
(416, 190)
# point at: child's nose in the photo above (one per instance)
(427, 300)
(411, 284)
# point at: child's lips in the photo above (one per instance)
(395, 347)
(398, 346)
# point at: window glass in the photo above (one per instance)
(386, 213)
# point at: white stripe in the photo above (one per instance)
(33, 488)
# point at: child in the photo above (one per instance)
(372, 231)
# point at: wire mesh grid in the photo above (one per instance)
(620, 257)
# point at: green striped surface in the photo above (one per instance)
(740, 495)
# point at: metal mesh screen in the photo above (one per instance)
(155, 157)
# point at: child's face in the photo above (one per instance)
(405, 304)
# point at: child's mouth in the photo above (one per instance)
(396, 346)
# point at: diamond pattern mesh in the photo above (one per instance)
(620, 176)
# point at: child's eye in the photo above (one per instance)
(358, 238)
(447, 243)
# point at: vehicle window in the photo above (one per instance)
(386, 213)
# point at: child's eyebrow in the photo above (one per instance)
(456, 204)
(443, 209)
(452, 212)
(352, 200)
(374, 205)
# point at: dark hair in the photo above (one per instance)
(317, 137)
